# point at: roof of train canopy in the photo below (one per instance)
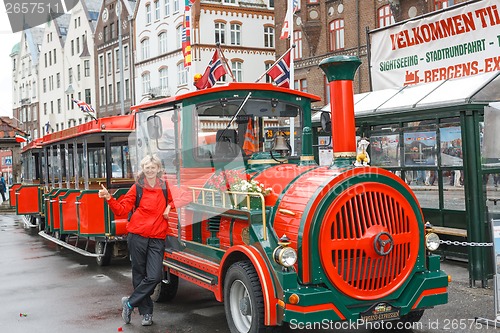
(477, 89)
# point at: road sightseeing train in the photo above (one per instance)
(277, 238)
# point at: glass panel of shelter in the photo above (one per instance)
(410, 150)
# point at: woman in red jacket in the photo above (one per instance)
(147, 231)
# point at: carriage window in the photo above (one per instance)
(161, 136)
(97, 162)
(121, 166)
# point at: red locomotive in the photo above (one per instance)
(274, 236)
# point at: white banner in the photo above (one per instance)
(460, 42)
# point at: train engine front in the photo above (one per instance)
(362, 250)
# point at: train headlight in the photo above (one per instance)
(283, 254)
(432, 241)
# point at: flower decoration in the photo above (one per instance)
(232, 180)
(224, 180)
(251, 186)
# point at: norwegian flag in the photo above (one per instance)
(214, 71)
(287, 25)
(280, 72)
(84, 106)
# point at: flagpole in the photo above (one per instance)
(292, 81)
(225, 61)
(274, 64)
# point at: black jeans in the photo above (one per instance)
(3, 195)
(147, 269)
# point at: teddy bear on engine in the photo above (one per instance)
(362, 157)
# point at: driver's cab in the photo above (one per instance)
(220, 125)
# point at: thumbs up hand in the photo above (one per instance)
(104, 193)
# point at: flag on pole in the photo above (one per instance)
(249, 145)
(186, 34)
(84, 106)
(288, 23)
(47, 127)
(280, 71)
(21, 138)
(214, 71)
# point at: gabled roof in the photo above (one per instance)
(92, 9)
(62, 25)
(34, 37)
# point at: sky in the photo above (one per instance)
(7, 41)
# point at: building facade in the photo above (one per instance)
(79, 64)
(337, 27)
(113, 37)
(25, 81)
(244, 30)
(51, 74)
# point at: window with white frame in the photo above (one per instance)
(146, 83)
(235, 33)
(148, 13)
(237, 69)
(110, 63)
(297, 40)
(101, 65)
(157, 10)
(385, 17)
(176, 6)
(167, 7)
(337, 35)
(117, 59)
(145, 48)
(162, 42)
(230, 1)
(220, 33)
(268, 37)
(267, 66)
(178, 35)
(110, 94)
(163, 74)
(181, 74)
(86, 70)
(125, 56)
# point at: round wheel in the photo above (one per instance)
(243, 300)
(100, 248)
(41, 224)
(165, 292)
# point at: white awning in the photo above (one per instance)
(477, 89)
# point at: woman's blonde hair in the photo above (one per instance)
(150, 159)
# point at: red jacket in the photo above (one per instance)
(147, 220)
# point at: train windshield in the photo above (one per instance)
(225, 128)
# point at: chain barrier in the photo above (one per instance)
(457, 243)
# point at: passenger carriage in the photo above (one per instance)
(62, 174)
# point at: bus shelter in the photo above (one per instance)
(443, 139)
